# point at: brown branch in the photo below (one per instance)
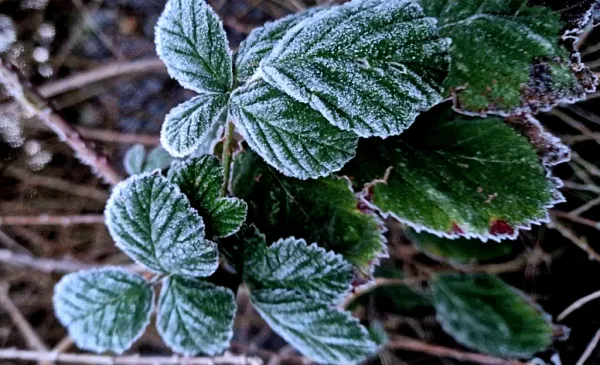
(116, 137)
(31, 337)
(589, 349)
(580, 242)
(34, 104)
(42, 220)
(577, 304)
(61, 346)
(409, 344)
(88, 359)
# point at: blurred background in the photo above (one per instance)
(96, 63)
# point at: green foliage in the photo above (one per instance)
(105, 309)
(136, 161)
(482, 312)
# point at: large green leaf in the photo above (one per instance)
(190, 124)
(369, 66)
(292, 264)
(261, 41)
(104, 310)
(152, 221)
(195, 316)
(200, 179)
(323, 333)
(192, 43)
(288, 134)
(507, 57)
(324, 211)
(456, 176)
(482, 312)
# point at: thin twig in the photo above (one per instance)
(88, 359)
(578, 241)
(409, 344)
(585, 207)
(31, 337)
(35, 104)
(577, 304)
(589, 349)
(50, 265)
(576, 219)
(116, 137)
(61, 346)
(43, 220)
(227, 151)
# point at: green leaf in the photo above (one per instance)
(399, 298)
(136, 161)
(191, 123)
(324, 211)
(261, 41)
(323, 333)
(459, 251)
(195, 316)
(200, 179)
(292, 264)
(456, 176)
(369, 66)
(105, 309)
(289, 135)
(482, 312)
(152, 221)
(507, 57)
(192, 43)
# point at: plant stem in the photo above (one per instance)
(226, 160)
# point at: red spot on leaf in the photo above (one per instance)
(456, 229)
(500, 227)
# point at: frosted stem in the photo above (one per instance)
(227, 150)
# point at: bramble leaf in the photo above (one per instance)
(369, 66)
(456, 176)
(323, 333)
(200, 179)
(195, 316)
(105, 309)
(152, 221)
(190, 124)
(136, 161)
(260, 43)
(310, 270)
(192, 43)
(289, 135)
(507, 56)
(324, 211)
(461, 250)
(482, 312)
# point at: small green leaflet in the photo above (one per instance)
(195, 316)
(105, 309)
(507, 57)
(456, 176)
(309, 269)
(152, 221)
(369, 66)
(136, 161)
(461, 250)
(324, 211)
(191, 123)
(289, 135)
(261, 41)
(482, 312)
(200, 179)
(323, 333)
(192, 43)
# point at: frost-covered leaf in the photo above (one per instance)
(195, 316)
(289, 135)
(190, 124)
(454, 176)
(482, 312)
(192, 43)
(323, 333)
(200, 179)
(309, 269)
(369, 66)
(324, 211)
(152, 221)
(507, 57)
(461, 250)
(104, 310)
(261, 41)
(136, 161)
